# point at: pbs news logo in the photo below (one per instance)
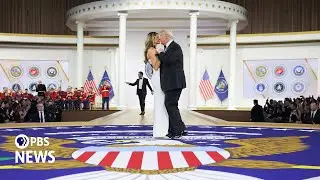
(22, 142)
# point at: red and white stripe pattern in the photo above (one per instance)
(150, 160)
(206, 88)
(90, 83)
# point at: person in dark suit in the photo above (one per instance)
(172, 80)
(41, 89)
(257, 112)
(40, 115)
(141, 84)
(315, 113)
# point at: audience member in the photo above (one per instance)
(257, 112)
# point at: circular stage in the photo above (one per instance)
(130, 152)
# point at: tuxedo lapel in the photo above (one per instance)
(170, 45)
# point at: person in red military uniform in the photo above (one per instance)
(69, 99)
(12, 94)
(1, 96)
(104, 91)
(6, 93)
(83, 98)
(76, 98)
(25, 95)
(53, 94)
(91, 97)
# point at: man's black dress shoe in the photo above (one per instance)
(184, 133)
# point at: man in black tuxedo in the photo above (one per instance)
(315, 113)
(257, 112)
(141, 84)
(41, 89)
(172, 81)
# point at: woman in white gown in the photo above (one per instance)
(160, 114)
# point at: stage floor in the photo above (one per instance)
(121, 146)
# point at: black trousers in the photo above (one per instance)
(176, 125)
(142, 100)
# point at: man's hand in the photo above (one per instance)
(160, 48)
(127, 83)
(152, 92)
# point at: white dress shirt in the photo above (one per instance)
(140, 83)
(313, 113)
(43, 119)
(167, 45)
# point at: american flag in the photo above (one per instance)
(90, 83)
(206, 88)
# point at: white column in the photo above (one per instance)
(79, 70)
(122, 57)
(232, 62)
(192, 64)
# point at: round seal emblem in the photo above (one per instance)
(261, 71)
(279, 87)
(149, 70)
(52, 86)
(16, 71)
(52, 72)
(17, 86)
(261, 88)
(32, 87)
(298, 87)
(221, 86)
(299, 71)
(279, 71)
(34, 71)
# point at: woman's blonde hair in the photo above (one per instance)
(148, 44)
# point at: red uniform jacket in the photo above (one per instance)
(63, 94)
(76, 94)
(92, 97)
(25, 95)
(53, 95)
(83, 96)
(69, 95)
(104, 91)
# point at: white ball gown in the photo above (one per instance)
(160, 114)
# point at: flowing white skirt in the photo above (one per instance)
(160, 114)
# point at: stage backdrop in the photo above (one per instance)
(280, 78)
(24, 74)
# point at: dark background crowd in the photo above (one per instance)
(290, 110)
(47, 106)
(28, 109)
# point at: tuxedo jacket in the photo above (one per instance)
(316, 118)
(171, 68)
(145, 83)
(257, 114)
(35, 117)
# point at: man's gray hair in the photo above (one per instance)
(166, 33)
